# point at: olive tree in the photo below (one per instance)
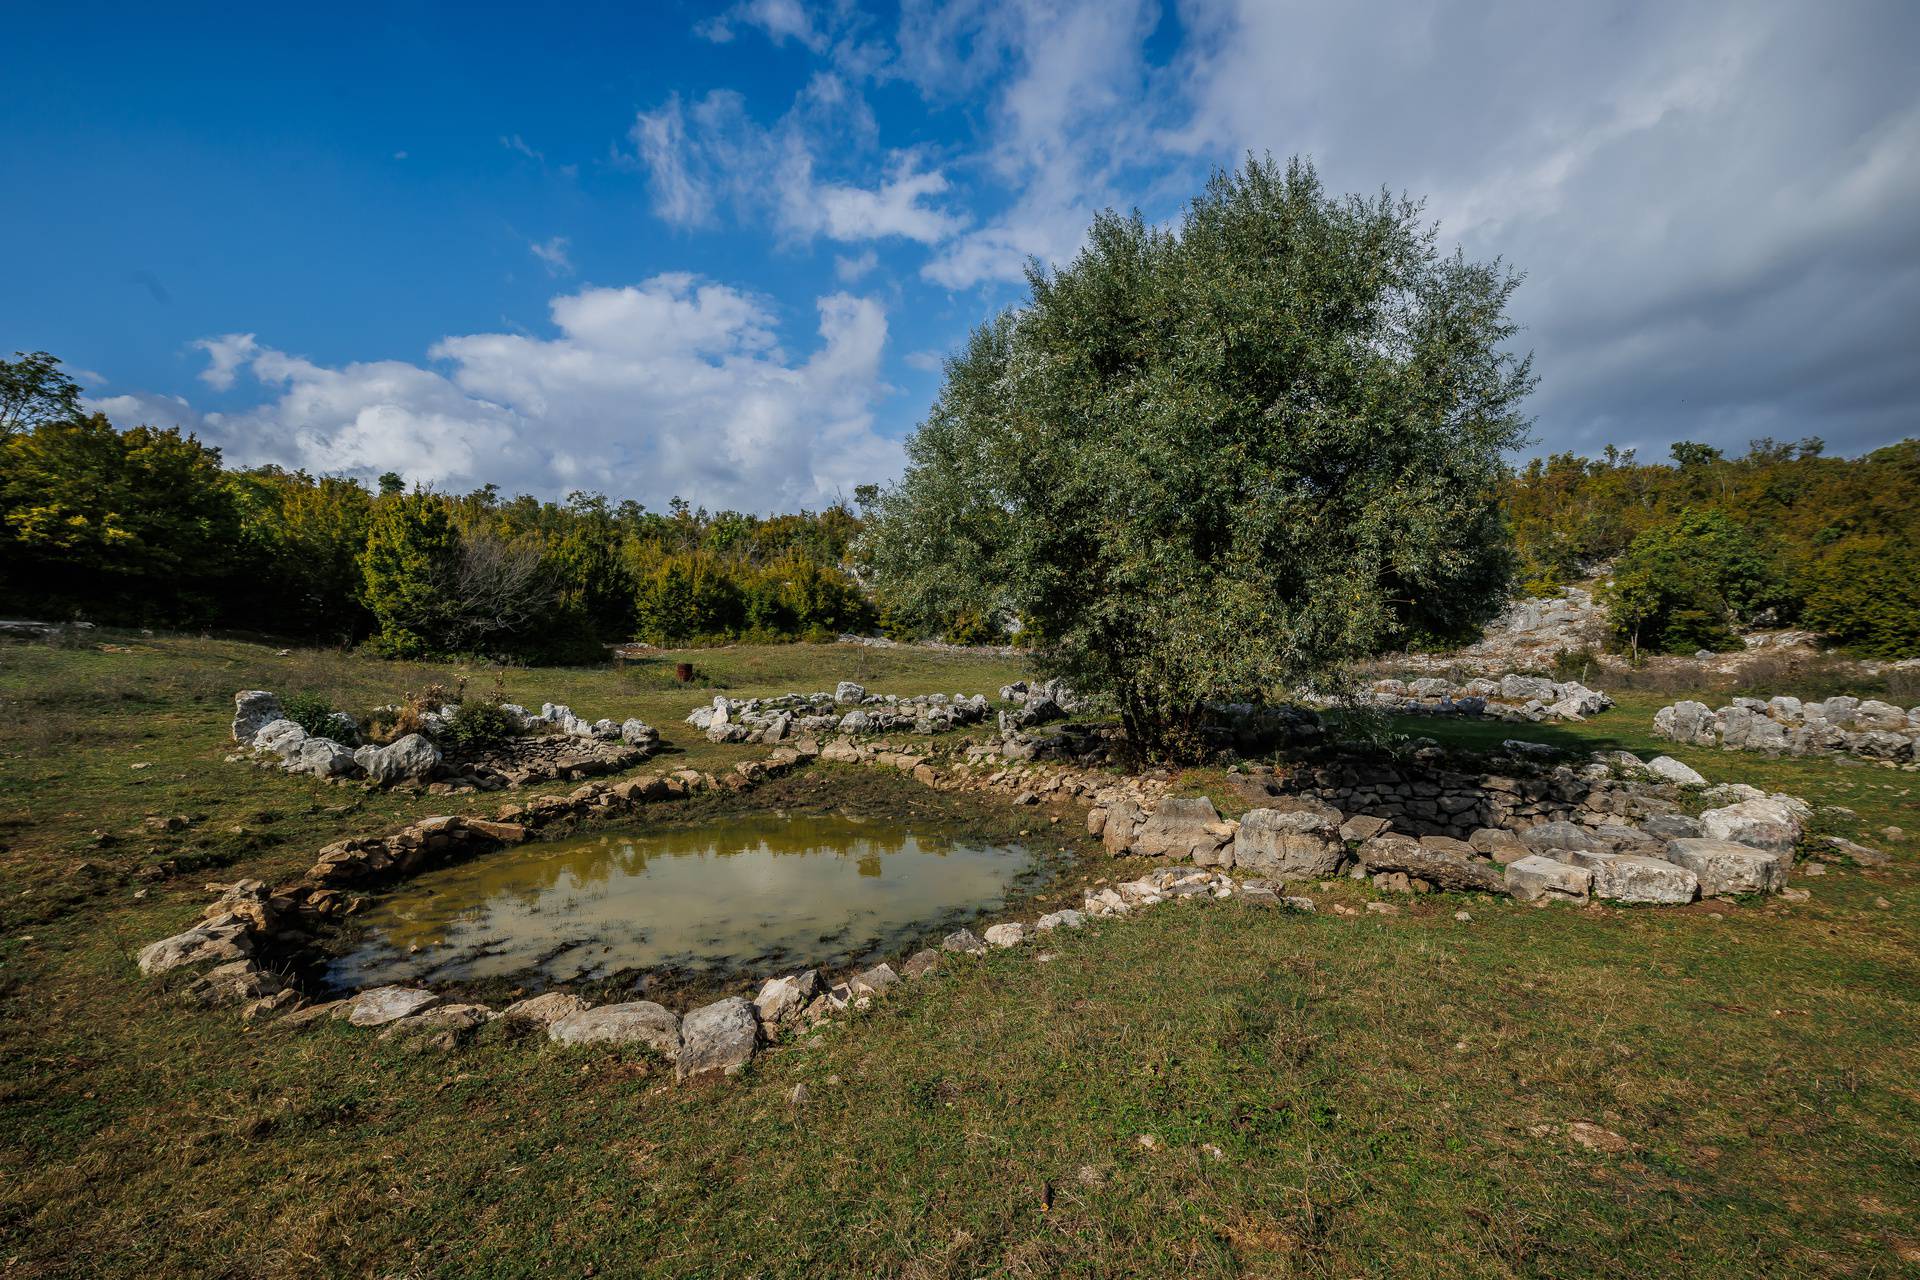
(1210, 462)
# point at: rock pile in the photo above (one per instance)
(558, 744)
(848, 709)
(1871, 729)
(1746, 846)
(1531, 631)
(1510, 697)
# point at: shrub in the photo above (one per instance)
(479, 726)
(311, 712)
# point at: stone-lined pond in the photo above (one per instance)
(760, 893)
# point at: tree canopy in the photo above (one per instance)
(1208, 463)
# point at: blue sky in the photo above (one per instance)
(718, 250)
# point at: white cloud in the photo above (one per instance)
(697, 154)
(514, 142)
(224, 356)
(673, 386)
(660, 140)
(553, 252)
(780, 20)
(924, 361)
(856, 268)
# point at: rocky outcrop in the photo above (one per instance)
(1517, 698)
(1870, 729)
(555, 743)
(848, 709)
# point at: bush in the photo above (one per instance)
(311, 712)
(479, 726)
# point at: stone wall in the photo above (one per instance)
(1518, 698)
(1426, 800)
(1871, 729)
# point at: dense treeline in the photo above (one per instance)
(145, 527)
(1784, 535)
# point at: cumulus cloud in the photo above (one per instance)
(677, 385)
(1712, 202)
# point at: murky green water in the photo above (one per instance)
(759, 893)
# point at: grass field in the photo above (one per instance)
(1324, 1095)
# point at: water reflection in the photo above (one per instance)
(763, 892)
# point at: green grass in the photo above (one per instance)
(1371, 1084)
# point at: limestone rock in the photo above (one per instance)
(1007, 935)
(1396, 853)
(920, 963)
(716, 1039)
(782, 1000)
(1301, 845)
(1067, 919)
(407, 759)
(1725, 867)
(1635, 878)
(1554, 838)
(871, 982)
(321, 757)
(640, 1022)
(451, 1020)
(1667, 769)
(1763, 824)
(381, 1005)
(201, 945)
(544, 1010)
(1534, 878)
(1180, 827)
(253, 710)
(963, 940)
(1362, 827)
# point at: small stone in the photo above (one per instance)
(963, 940)
(1011, 934)
(875, 980)
(1463, 917)
(1594, 1138)
(920, 964)
(1383, 908)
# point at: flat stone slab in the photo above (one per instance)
(381, 1005)
(717, 1039)
(544, 1010)
(1536, 879)
(1636, 878)
(1725, 867)
(195, 946)
(640, 1022)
